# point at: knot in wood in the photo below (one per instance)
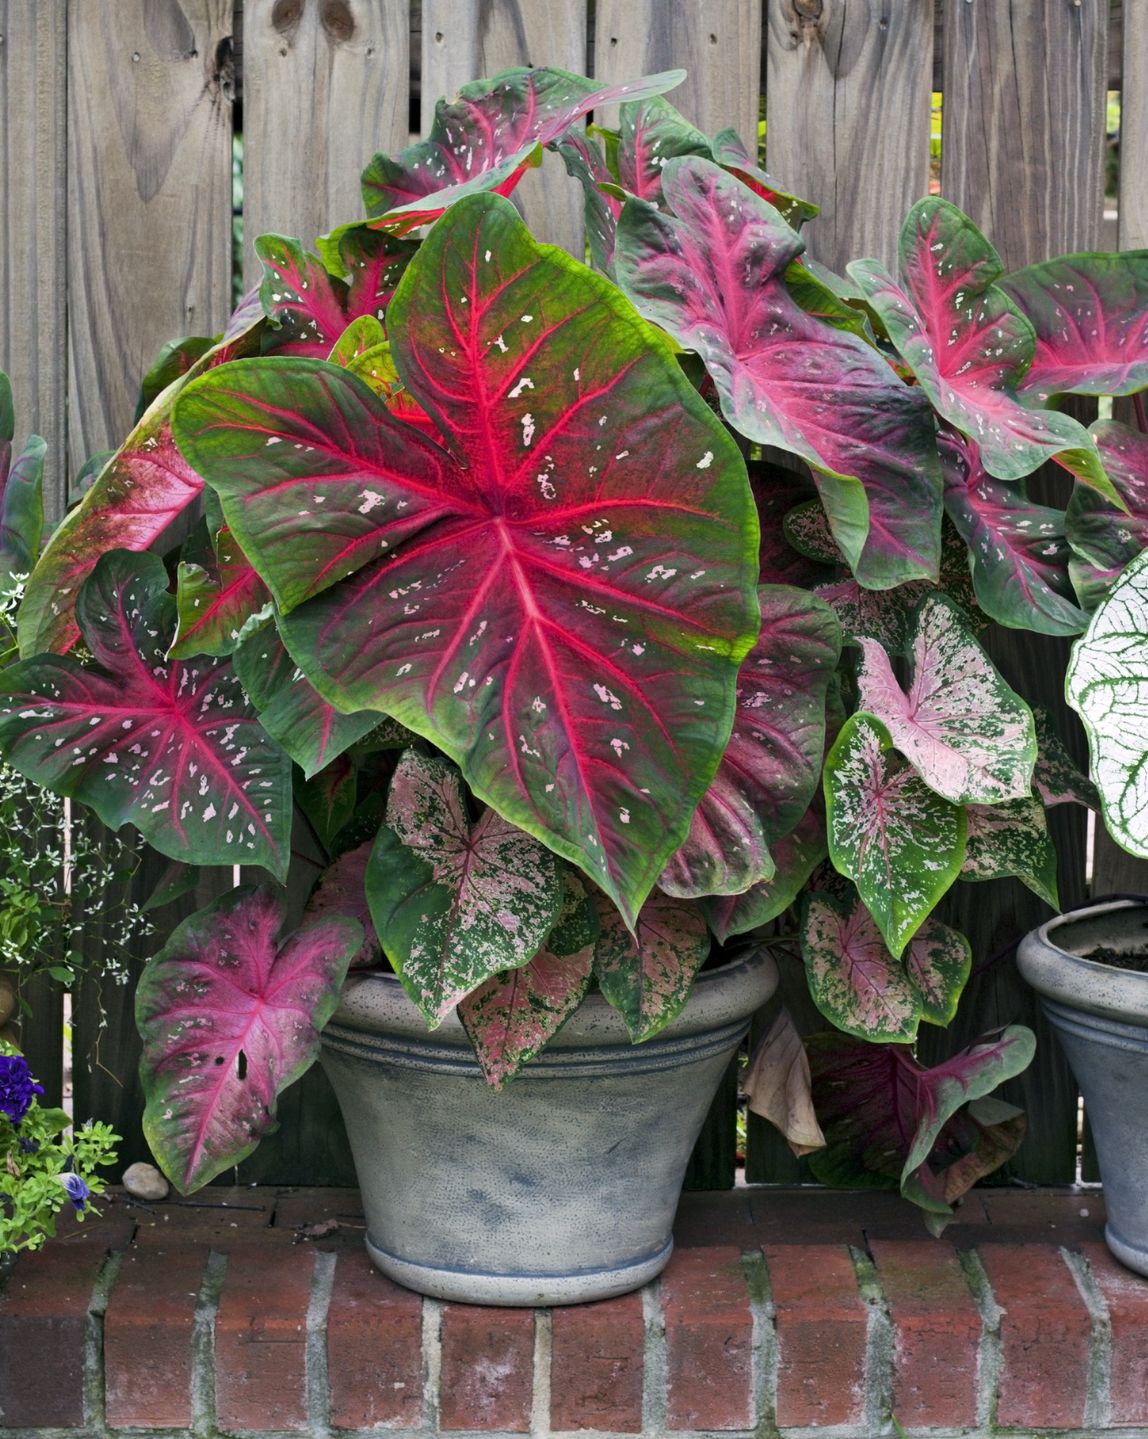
(286, 14)
(336, 18)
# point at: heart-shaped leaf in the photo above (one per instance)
(1017, 548)
(967, 734)
(778, 1086)
(730, 153)
(712, 273)
(771, 765)
(1104, 536)
(21, 506)
(228, 1020)
(858, 985)
(342, 891)
(172, 746)
(328, 798)
(510, 1017)
(215, 603)
(882, 615)
(900, 842)
(1106, 683)
(454, 904)
(585, 161)
(1011, 839)
(891, 1123)
(486, 137)
(561, 599)
(795, 858)
(1057, 778)
(647, 976)
(963, 339)
(1090, 315)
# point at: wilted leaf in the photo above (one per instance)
(778, 1087)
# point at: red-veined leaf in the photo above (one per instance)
(328, 799)
(1104, 537)
(215, 604)
(712, 273)
(795, 858)
(647, 976)
(559, 600)
(228, 1020)
(1011, 839)
(585, 162)
(967, 734)
(729, 151)
(342, 891)
(171, 746)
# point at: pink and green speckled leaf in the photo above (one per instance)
(171, 746)
(795, 858)
(648, 978)
(513, 1015)
(967, 734)
(1018, 548)
(454, 904)
(858, 984)
(558, 592)
(229, 1017)
(890, 1123)
(1057, 778)
(1104, 537)
(1011, 839)
(771, 764)
(900, 842)
(486, 137)
(215, 602)
(342, 891)
(1090, 315)
(711, 271)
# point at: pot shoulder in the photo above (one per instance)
(1052, 958)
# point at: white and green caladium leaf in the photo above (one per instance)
(171, 746)
(510, 1017)
(861, 988)
(710, 267)
(795, 858)
(648, 978)
(1018, 549)
(899, 841)
(556, 588)
(1103, 536)
(771, 764)
(964, 340)
(452, 903)
(1106, 683)
(968, 735)
(1011, 839)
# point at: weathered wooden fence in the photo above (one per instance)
(117, 120)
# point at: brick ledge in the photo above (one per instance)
(782, 1312)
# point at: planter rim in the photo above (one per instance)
(1058, 973)
(732, 992)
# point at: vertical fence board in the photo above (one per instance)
(467, 39)
(1133, 212)
(849, 93)
(717, 43)
(1022, 153)
(33, 235)
(326, 84)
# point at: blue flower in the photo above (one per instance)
(29, 1146)
(16, 1087)
(78, 1191)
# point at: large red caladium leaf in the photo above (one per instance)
(712, 273)
(454, 904)
(771, 765)
(291, 710)
(795, 858)
(862, 988)
(510, 1017)
(559, 595)
(963, 339)
(487, 136)
(229, 1018)
(891, 1123)
(140, 491)
(647, 975)
(1017, 548)
(1090, 315)
(900, 842)
(585, 161)
(1104, 537)
(171, 746)
(215, 601)
(1011, 839)
(968, 735)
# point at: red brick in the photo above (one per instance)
(709, 1340)
(261, 1338)
(374, 1348)
(596, 1366)
(487, 1368)
(937, 1331)
(1126, 1295)
(43, 1317)
(822, 1324)
(147, 1338)
(1045, 1333)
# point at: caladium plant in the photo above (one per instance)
(491, 574)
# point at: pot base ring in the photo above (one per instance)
(520, 1290)
(1132, 1256)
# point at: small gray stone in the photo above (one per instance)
(144, 1181)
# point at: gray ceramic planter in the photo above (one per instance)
(561, 1188)
(1100, 1015)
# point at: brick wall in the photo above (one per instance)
(253, 1311)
